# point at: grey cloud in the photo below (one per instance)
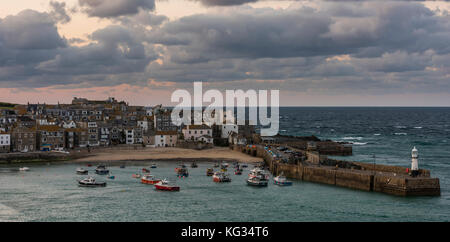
(388, 47)
(59, 12)
(115, 8)
(29, 30)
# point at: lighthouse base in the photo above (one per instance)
(414, 173)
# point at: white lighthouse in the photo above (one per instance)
(414, 160)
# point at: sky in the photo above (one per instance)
(317, 53)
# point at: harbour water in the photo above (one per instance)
(50, 193)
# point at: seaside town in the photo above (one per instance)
(91, 123)
(43, 131)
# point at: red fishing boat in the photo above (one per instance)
(164, 185)
(149, 179)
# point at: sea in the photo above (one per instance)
(384, 135)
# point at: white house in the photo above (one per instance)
(44, 122)
(129, 134)
(194, 132)
(5, 142)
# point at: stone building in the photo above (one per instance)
(50, 137)
(23, 139)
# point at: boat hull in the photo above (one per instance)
(102, 184)
(102, 172)
(286, 183)
(167, 188)
(257, 184)
(82, 172)
(150, 182)
(220, 180)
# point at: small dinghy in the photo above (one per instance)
(136, 175)
(81, 171)
(111, 176)
(153, 166)
(90, 182)
(216, 165)
(194, 165)
(122, 166)
(238, 171)
(24, 169)
(145, 170)
(164, 185)
(101, 170)
(244, 165)
(209, 172)
(149, 179)
(281, 180)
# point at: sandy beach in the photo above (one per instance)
(214, 154)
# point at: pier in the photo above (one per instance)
(315, 167)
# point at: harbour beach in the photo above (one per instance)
(168, 153)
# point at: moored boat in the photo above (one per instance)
(101, 170)
(112, 177)
(257, 172)
(24, 169)
(216, 165)
(182, 171)
(90, 182)
(281, 180)
(149, 179)
(221, 177)
(122, 166)
(136, 175)
(164, 185)
(145, 170)
(153, 166)
(209, 172)
(257, 182)
(81, 171)
(194, 165)
(238, 172)
(244, 165)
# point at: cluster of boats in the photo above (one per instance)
(257, 177)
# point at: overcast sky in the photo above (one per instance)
(326, 53)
